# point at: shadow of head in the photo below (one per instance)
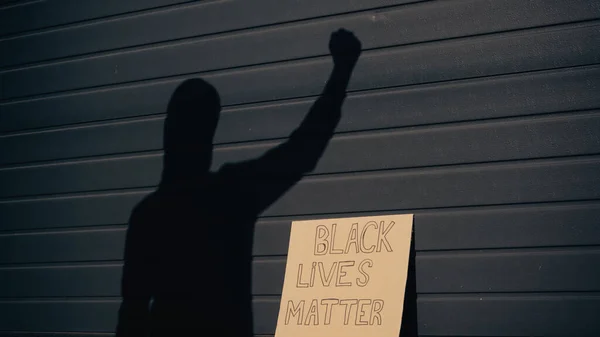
(189, 129)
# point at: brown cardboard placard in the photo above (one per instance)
(346, 277)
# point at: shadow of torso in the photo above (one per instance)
(199, 242)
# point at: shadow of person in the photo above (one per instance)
(188, 249)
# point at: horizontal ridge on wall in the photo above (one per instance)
(496, 227)
(186, 58)
(27, 16)
(419, 147)
(502, 271)
(530, 181)
(186, 20)
(424, 63)
(464, 100)
(465, 228)
(310, 37)
(545, 314)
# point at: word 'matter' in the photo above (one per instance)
(355, 311)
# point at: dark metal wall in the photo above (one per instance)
(479, 116)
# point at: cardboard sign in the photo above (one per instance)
(346, 277)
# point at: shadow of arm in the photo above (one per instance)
(283, 166)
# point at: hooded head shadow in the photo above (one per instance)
(189, 129)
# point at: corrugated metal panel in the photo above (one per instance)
(415, 64)
(273, 44)
(391, 149)
(439, 315)
(569, 89)
(25, 16)
(198, 18)
(502, 183)
(563, 224)
(503, 271)
(479, 116)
